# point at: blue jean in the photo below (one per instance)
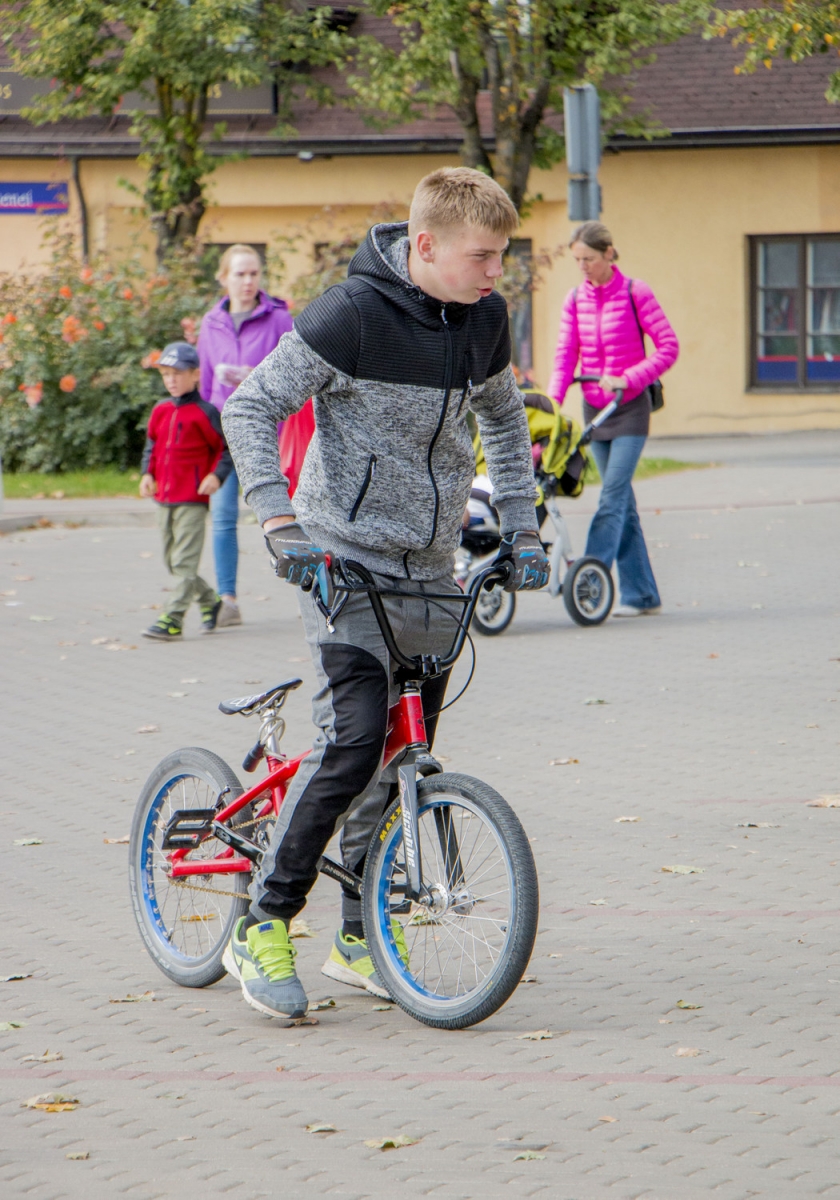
(224, 510)
(615, 534)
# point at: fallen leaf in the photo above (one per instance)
(34, 618)
(555, 956)
(24, 578)
(713, 656)
(14, 978)
(320, 1005)
(145, 554)
(562, 762)
(684, 1004)
(302, 1021)
(6, 1025)
(101, 641)
(279, 1068)
(119, 646)
(700, 537)
(148, 729)
(194, 916)
(120, 841)
(68, 643)
(757, 606)
(321, 1129)
(527, 1156)
(608, 1120)
(261, 597)
(529, 979)
(132, 999)
(300, 928)
(538, 1035)
(47, 1057)
(190, 681)
(592, 700)
(831, 801)
(177, 695)
(383, 1008)
(741, 563)
(812, 726)
(392, 1143)
(256, 680)
(78, 1155)
(52, 1102)
(664, 1021)
(687, 1052)
(757, 825)
(29, 841)
(187, 1137)
(626, 820)
(596, 902)
(681, 870)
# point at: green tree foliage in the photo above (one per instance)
(794, 29)
(77, 344)
(170, 53)
(524, 52)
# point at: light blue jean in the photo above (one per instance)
(224, 510)
(615, 534)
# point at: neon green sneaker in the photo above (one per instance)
(350, 962)
(165, 629)
(267, 971)
(235, 951)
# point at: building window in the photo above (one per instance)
(796, 312)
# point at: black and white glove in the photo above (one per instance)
(528, 563)
(295, 559)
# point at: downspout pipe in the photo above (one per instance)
(83, 213)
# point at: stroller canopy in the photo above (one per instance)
(557, 435)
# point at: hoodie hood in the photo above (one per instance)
(382, 260)
(219, 314)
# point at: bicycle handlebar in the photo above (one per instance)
(344, 585)
(604, 414)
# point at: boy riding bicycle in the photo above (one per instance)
(394, 356)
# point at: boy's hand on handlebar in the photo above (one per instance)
(528, 562)
(297, 560)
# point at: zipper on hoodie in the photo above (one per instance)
(467, 392)
(366, 482)
(447, 385)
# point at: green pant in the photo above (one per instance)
(182, 529)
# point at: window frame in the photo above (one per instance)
(801, 385)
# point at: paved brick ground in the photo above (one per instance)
(718, 713)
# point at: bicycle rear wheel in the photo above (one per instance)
(185, 923)
(455, 961)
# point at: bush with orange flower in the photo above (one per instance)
(77, 344)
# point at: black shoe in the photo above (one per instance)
(165, 629)
(210, 614)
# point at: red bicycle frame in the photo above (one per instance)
(406, 729)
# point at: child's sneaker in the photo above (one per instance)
(209, 615)
(165, 629)
(350, 962)
(267, 972)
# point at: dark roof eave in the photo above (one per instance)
(694, 139)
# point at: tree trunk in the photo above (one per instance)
(179, 223)
(472, 150)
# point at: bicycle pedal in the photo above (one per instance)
(187, 827)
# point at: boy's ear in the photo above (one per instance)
(426, 246)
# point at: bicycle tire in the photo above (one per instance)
(161, 908)
(588, 591)
(513, 931)
(503, 605)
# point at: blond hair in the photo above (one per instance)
(228, 256)
(594, 235)
(453, 196)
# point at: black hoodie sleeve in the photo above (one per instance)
(331, 327)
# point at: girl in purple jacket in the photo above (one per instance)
(600, 331)
(236, 335)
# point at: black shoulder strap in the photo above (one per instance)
(636, 315)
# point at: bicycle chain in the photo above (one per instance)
(194, 887)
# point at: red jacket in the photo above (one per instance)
(183, 444)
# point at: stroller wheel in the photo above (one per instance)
(494, 611)
(588, 591)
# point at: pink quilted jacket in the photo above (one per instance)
(598, 330)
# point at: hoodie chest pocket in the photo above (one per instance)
(366, 482)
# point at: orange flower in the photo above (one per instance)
(86, 274)
(100, 325)
(9, 319)
(152, 359)
(33, 393)
(127, 294)
(65, 292)
(72, 330)
(67, 383)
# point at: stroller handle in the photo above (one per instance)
(604, 414)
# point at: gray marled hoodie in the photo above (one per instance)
(393, 373)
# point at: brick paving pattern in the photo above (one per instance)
(717, 714)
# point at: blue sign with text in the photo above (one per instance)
(33, 198)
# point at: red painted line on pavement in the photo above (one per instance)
(592, 910)
(414, 1077)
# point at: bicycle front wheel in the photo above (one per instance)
(186, 922)
(454, 961)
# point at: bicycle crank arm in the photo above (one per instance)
(245, 847)
(411, 835)
(340, 874)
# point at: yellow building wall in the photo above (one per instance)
(680, 220)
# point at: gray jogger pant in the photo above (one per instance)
(341, 784)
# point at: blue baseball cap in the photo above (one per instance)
(180, 355)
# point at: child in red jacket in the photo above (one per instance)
(185, 461)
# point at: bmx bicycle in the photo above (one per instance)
(586, 584)
(449, 891)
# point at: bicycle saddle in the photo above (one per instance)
(249, 704)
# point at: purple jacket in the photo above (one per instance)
(218, 341)
(599, 331)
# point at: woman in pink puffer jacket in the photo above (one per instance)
(600, 331)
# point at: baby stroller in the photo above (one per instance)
(560, 460)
